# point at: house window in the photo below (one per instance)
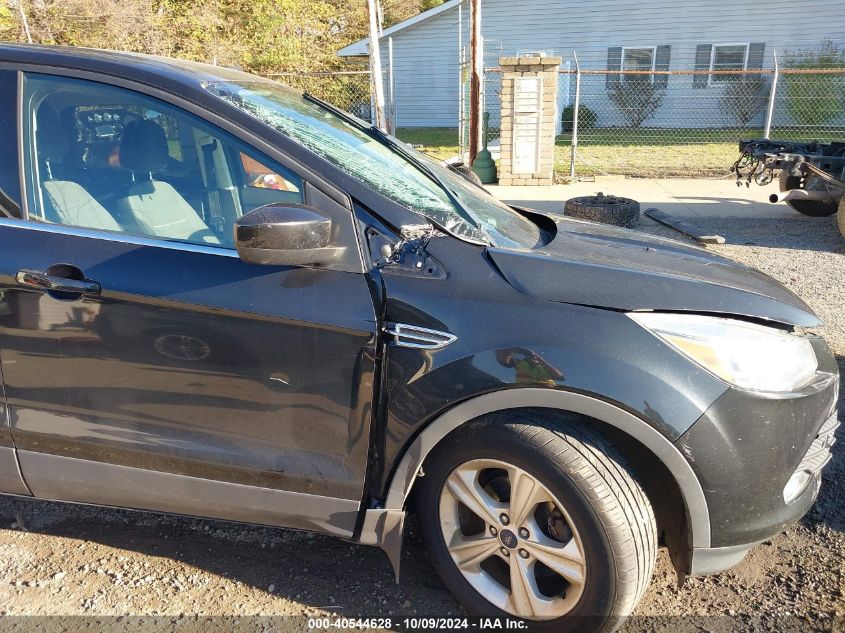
(728, 57)
(638, 59)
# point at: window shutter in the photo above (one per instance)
(614, 62)
(661, 62)
(755, 55)
(703, 53)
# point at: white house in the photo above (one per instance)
(605, 34)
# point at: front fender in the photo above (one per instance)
(552, 346)
(662, 449)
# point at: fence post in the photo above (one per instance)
(391, 89)
(772, 94)
(574, 142)
(461, 144)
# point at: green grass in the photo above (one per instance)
(441, 142)
(643, 153)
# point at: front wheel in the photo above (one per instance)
(542, 523)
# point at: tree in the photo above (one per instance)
(260, 36)
(743, 97)
(637, 97)
(425, 5)
(815, 99)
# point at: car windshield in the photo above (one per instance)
(469, 213)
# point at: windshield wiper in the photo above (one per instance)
(385, 139)
(341, 114)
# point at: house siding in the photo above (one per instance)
(426, 54)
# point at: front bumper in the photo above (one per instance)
(747, 451)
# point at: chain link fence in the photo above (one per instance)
(349, 90)
(684, 122)
(640, 123)
(688, 123)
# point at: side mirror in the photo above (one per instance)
(286, 235)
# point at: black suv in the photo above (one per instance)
(222, 298)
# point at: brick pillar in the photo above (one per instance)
(529, 108)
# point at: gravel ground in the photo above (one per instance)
(67, 560)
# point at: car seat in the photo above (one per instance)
(155, 205)
(65, 201)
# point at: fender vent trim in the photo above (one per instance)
(416, 337)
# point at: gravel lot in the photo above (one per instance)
(64, 560)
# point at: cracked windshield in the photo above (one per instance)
(477, 216)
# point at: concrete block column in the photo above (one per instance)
(529, 108)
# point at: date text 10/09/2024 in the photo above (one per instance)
(419, 624)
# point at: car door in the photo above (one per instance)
(145, 364)
(10, 205)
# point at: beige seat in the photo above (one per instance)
(156, 206)
(68, 203)
(65, 201)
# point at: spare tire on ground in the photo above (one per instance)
(606, 209)
(840, 218)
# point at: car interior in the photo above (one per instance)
(110, 159)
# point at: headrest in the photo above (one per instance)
(143, 147)
(50, 135)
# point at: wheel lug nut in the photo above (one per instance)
(504, 551)
(523, 553)
(493, 531)
(523, 532)
(504, 519)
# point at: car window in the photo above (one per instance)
(9, 174)
(358, 153)
(108, 158)
(262, 177)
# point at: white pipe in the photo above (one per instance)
(803, 194)
(770, 112)
(391, 87)
(574, 140)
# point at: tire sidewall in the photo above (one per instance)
(840, 218)
(811, 208)
(625, 213)
(599, 593)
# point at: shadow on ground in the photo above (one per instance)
(307, 569)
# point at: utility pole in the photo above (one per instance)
(375, 66)
(477, 69)
(24, 21)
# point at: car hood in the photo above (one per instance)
(604, 266)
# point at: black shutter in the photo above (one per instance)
(661, 62)
(703, 53)
(614, 62)
(755, 55)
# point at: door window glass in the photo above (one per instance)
(261, 177)
(109, 158)
(9, 174)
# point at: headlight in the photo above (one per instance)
(744, 354)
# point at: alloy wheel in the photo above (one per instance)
(512, 540)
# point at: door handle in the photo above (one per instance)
(51, 283)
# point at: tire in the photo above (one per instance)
(813, 208)
(605, 209)
(840, 218)
(602, 510)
